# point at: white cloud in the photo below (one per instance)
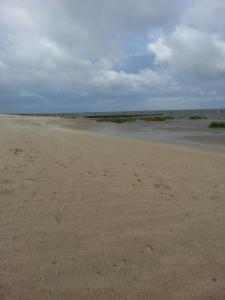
(191, 51)
(162, 52)
(130, 82)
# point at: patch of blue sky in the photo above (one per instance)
(137, 57)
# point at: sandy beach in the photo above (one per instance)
(87, 216)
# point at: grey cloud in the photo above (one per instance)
(191, 51)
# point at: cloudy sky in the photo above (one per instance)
(98, 55)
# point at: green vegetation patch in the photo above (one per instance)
(118, 120)
(156, 118)
(197, 117)
(217, 125)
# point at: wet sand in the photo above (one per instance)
(85, 216)
(184, 131)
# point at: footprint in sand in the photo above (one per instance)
(171, 195)
(16, 150)
(148, 249)
(138, 180)
(58, 216)
(161, 186)
(6, 192)
(164, 189)
(30, 180)
(123, 262)
(62, 165)
(31, 158)
(108, 174)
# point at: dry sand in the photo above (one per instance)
(84, 216)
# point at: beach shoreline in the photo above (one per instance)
(213, 142)
(179, 130)
(90, 216)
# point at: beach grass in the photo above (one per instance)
(156, 118)
(217, 125)
(118, 120)
(197, 117)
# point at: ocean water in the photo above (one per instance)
(181, 129)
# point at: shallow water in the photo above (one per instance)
(181, 129)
